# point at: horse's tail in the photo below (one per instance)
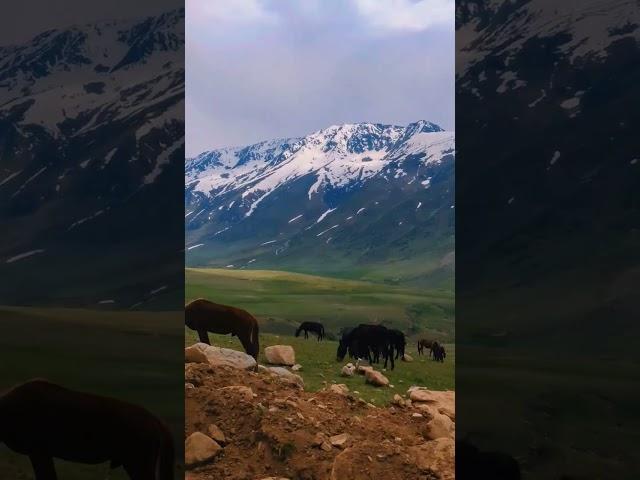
(165, 456)
(298, 330)
(255, 339)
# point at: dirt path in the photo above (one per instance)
(278, 430)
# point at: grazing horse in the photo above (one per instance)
(399, 342)
(314, 327)
(367, 341)
(46, 421)
(204, 316)
(424, 343)
(438, 352)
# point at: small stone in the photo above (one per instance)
(218, 435)
(326, 446)
(417, 415)
(280, 355)
(340, 389)
(339, 441)
(198, 448)
(296, 367)
(319, 439)
(244, 392)
(348, 371)
(376, 378)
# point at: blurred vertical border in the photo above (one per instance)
(548, 218)
(91, 205)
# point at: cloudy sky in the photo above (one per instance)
(261, 69)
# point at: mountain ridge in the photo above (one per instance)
(262, 205)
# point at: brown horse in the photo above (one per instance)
(204, 316)
(46, 421)
(424, 343)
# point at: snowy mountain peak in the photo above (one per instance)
(340, 156)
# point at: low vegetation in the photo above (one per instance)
(282, 300)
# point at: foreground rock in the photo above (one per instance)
(198, 448)
(217, 434)
(239, 391)
(376, 378)
(287, 376)
(340, 389)
(436, 456)
(280, 355)
(217, 356)
(348, 370)
(339, 441)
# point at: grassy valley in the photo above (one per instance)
(281, 300)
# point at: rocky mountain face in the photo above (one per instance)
(91, 135)
(548, 175)
(349, 198)
(551, 166)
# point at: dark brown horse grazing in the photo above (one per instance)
(46, 421)
(314, 327)
(438, 352)
(424, 343)
(204, 316)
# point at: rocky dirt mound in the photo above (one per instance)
(245, 425)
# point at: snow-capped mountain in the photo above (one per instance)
(91, 122)
(345, 192)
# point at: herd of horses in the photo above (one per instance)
(370, 342)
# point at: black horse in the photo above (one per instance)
(314, 327)
(45, 421)
(367, 341)
(438, 351)
(399, 342)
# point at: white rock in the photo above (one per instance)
(198, 448)
(376, 378)
(216, 356)
(280, 355)
(287, 375)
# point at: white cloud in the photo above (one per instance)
(228, 11)
(406, 15)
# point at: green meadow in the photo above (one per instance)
(134, 356)
(281, 300)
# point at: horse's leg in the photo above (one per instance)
(43, 467)
(204, 336)
(393, 364)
